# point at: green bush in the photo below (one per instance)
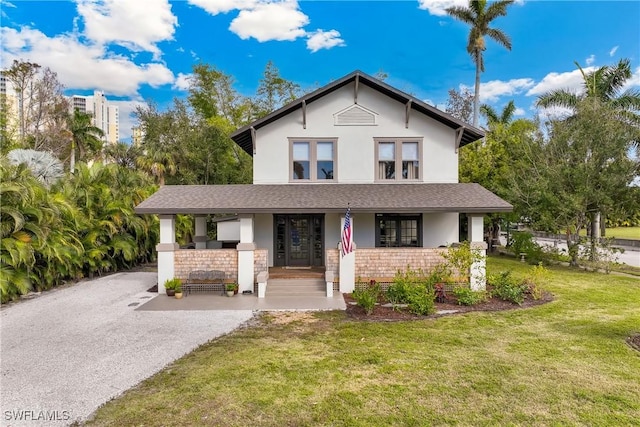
(507, 288)
(467, 296)
(421, 299)
(367, 297)
(537, 277)
(174, 284)
(523, 242)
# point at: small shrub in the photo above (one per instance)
(537, 277)
(467, 296)
(523, 242)
(507, 288)
(421, 300)
(174, 283)
(397, 293)
(367, 297)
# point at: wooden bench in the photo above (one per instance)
(205, 281)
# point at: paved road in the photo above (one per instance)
(629, 256)
(66, 352)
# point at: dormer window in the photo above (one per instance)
(312, 159)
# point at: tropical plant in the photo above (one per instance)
(479, 15)
(84, 137)
(44, 166)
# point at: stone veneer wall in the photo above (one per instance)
(260, 261)
(187, 260)
(226, 260)
(385, 262)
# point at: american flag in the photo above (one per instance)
(347, 234)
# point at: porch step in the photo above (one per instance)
(295, 287)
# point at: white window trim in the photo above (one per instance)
(398, 158)
(313, 160)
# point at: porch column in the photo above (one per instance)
(478, 270)
(200, 238)
(347, 263)
(166, 249)
(245, 253)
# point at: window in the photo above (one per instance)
(312, 160)
(398, 159)
(398, 231)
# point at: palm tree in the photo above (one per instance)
(47, 168)
(479, 16)
(505, 118)
(84, 136)
(602, 85)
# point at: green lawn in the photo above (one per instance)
(620, 232)
(562, 363)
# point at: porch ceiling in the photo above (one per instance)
(310, 198)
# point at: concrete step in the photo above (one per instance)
(296, 287)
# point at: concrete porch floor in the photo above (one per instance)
(215, 301)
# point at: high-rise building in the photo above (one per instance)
(137, 135)
(9, 106)
(104, 115)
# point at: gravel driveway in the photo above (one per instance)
(66, 352)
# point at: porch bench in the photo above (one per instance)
(204, 281)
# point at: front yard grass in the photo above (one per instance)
(562, 363)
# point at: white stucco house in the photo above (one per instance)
(355, 142)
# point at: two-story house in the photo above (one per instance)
(356, 142)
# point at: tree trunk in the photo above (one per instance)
(476, 97)
(72, 160)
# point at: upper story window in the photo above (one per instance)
(398, 159)
(313, 160)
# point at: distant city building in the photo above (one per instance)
(9, 106)
(104, 115)
(137, 135)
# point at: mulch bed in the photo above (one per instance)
(634, 341)
(388, 314)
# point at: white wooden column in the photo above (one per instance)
(478, 270)
(166, 249)
(200, 238)
(347, 263)
(246, 249)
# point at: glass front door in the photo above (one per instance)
(299, 240)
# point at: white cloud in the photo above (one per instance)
(81, 66)
(634, 80)
(572, 81)
(215, 7)
(270, 21)
(136, 25)
(590, 60)
(182, 81)
(613, 50)
(438, 7)
(519, 112)
(266, 20)
(324, 40)
(493, 90)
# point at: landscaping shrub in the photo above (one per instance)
(523, 242)
(414, 289)
(467, 296)
(508, 288)
(367, 297)
(421, 299)
(537, 277)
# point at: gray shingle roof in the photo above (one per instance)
(242, 136)
(308, 198)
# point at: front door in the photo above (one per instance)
(299, 240)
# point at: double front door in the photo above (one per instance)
(299, 240)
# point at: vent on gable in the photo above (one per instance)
(355, 115)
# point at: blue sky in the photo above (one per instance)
(137, 50)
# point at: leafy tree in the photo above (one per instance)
(603, 85)
(84, 136)
(274, 91)
(460, 104)
(479, 15)
(582, 167)
(122, 154)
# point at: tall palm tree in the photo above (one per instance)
(85, 137)
(479, 15)
(604, 85)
